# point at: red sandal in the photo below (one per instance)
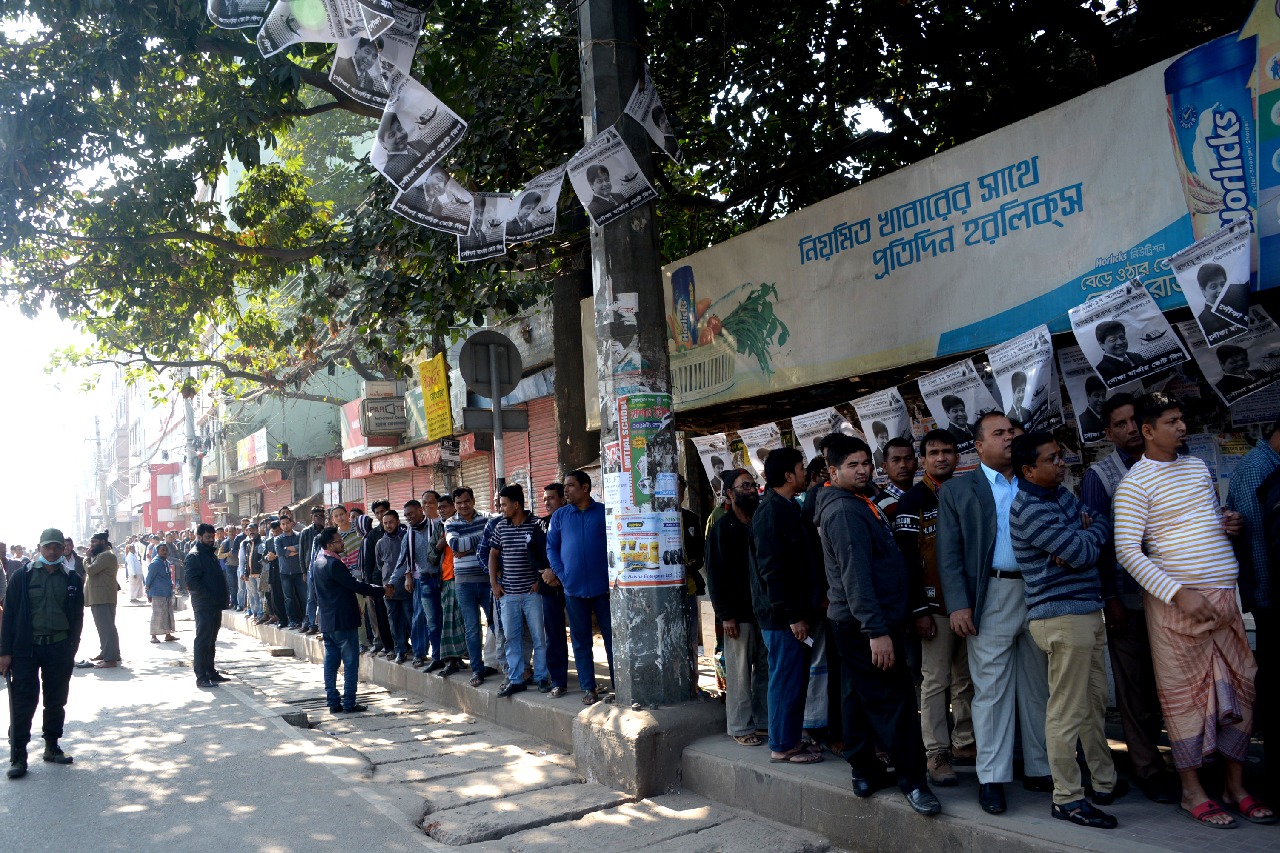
(1247, 807)
(1207, 809)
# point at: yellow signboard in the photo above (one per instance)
(434, 376)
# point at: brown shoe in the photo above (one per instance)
(964, 756)
(940, 772)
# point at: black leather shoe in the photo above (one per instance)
(511, 689)
(1163, 788)
(218, 677)
(866, 785)
(1082, 814)
(17, 769)
(54, 754)
(1106, 798)
(449, 669)
(355, 709)
(400, 659)
(991, 797)
(489, 672)
(335, 709)
(1038, 784)
(204, 682)
(923, 801)
(434, 665)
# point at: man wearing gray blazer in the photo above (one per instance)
(983, 588)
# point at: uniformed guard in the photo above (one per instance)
(44, 612)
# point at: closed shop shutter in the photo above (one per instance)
(399, 488)
(277, 495)
(423, 479)
(375, 488)
(476, 474)
(244, 503)
(544, 455)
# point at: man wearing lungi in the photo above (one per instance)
(1204, 669)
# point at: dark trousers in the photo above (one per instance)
(232, 583)
(341, 648)
(1266, 705)
(557, 648)
(579, 611)
(277, 595)
(295, 596)
(1136, 697)
(48, 667)
(376, 615)
(788, 680)
(208, 621)
(880, 706)
(400, 617)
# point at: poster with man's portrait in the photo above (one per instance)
(416, 132)
(1088, 394)
(608, 179)
(956, 398)
(1214, 276)
(1028, 380)
(487, 236)
(713, 453)
(1124, 336)
(1244, 366)
(533, 215)
(812, 427)
(645, 107)
(437, 201)
(758, 443)
(884, 417)
(237, 14)
(292, 22)
(364, 66)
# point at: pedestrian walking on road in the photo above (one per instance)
(208, 587)
(100, 596)
(340, 619)
(159, 588)
(44, 607)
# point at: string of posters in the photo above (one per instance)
(376, 42)
(1124, 343)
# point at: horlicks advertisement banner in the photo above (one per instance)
(976, 245)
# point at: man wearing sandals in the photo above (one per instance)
(746, 662)
(1204, 669)
(1058, 544)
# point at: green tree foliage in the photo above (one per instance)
(190, 202)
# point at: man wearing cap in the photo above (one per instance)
(100, 594)
(44, 612)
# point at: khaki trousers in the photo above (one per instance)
(1075, 644)
(944, 668)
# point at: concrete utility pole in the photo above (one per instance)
(102, 474)
(650, 633)
(193, 452)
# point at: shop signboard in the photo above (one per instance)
(252, 450)
(433, 374)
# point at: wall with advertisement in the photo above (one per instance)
(961, 251)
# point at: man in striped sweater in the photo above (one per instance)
(1058, 544)
(1204, 669)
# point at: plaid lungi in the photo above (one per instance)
(1205, 679)
(453, 633)
(161, 614)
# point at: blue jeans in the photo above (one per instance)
(341, 647)
(428, 615)
(254, 597)
(230, 572)
(313, 603)
(400, 615)
(294, 587)
(788, 678)
(579, 611)
(472, 598)
(518, 612)
(242, 592)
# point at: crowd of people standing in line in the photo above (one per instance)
(963, 620)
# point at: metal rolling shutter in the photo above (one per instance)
(399, 488)
(544, 447)
(375, 488)
(245, 504)
(476, 474)
(423, 479)
(277, 495)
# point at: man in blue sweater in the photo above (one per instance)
(1058, 544)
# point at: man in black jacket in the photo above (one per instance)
(39, 635)
(340, 620)
(783, 586)
(870, 608)
(746, 661)
(208, 587)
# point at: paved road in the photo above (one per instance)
(161, 764)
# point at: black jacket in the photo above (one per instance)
(205, 578)
(336, 593)
(15, 627)
(783, 565)
(729, 569)
(865, 570)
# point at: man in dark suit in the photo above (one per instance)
(340, 620)
(957, 419)
(983, 588)
(1018, 411)
(208, 586)
(1236, 375)
(603, 198)
(522, 223)
(1092, 425)
(1116, 359)
(1233, 305)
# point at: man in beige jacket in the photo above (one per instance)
(100, 595)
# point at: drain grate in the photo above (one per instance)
(316, 703)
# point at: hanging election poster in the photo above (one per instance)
(1027, 377)
(437, 201)
(380, 15)
(884, 416)
(1249, 363)
(1214, 276)
(645, 108)
(1088, 394)
(956, 397)
(292, 22)
(534, 213)
(988, 377)
(759, 441)
(713, 453)
(812, 427)
(1124, 335)
(416, 132)
(608, 179)
(486, 238)
(364, 66)
(238, 14)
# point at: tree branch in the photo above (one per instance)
(230, 246)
